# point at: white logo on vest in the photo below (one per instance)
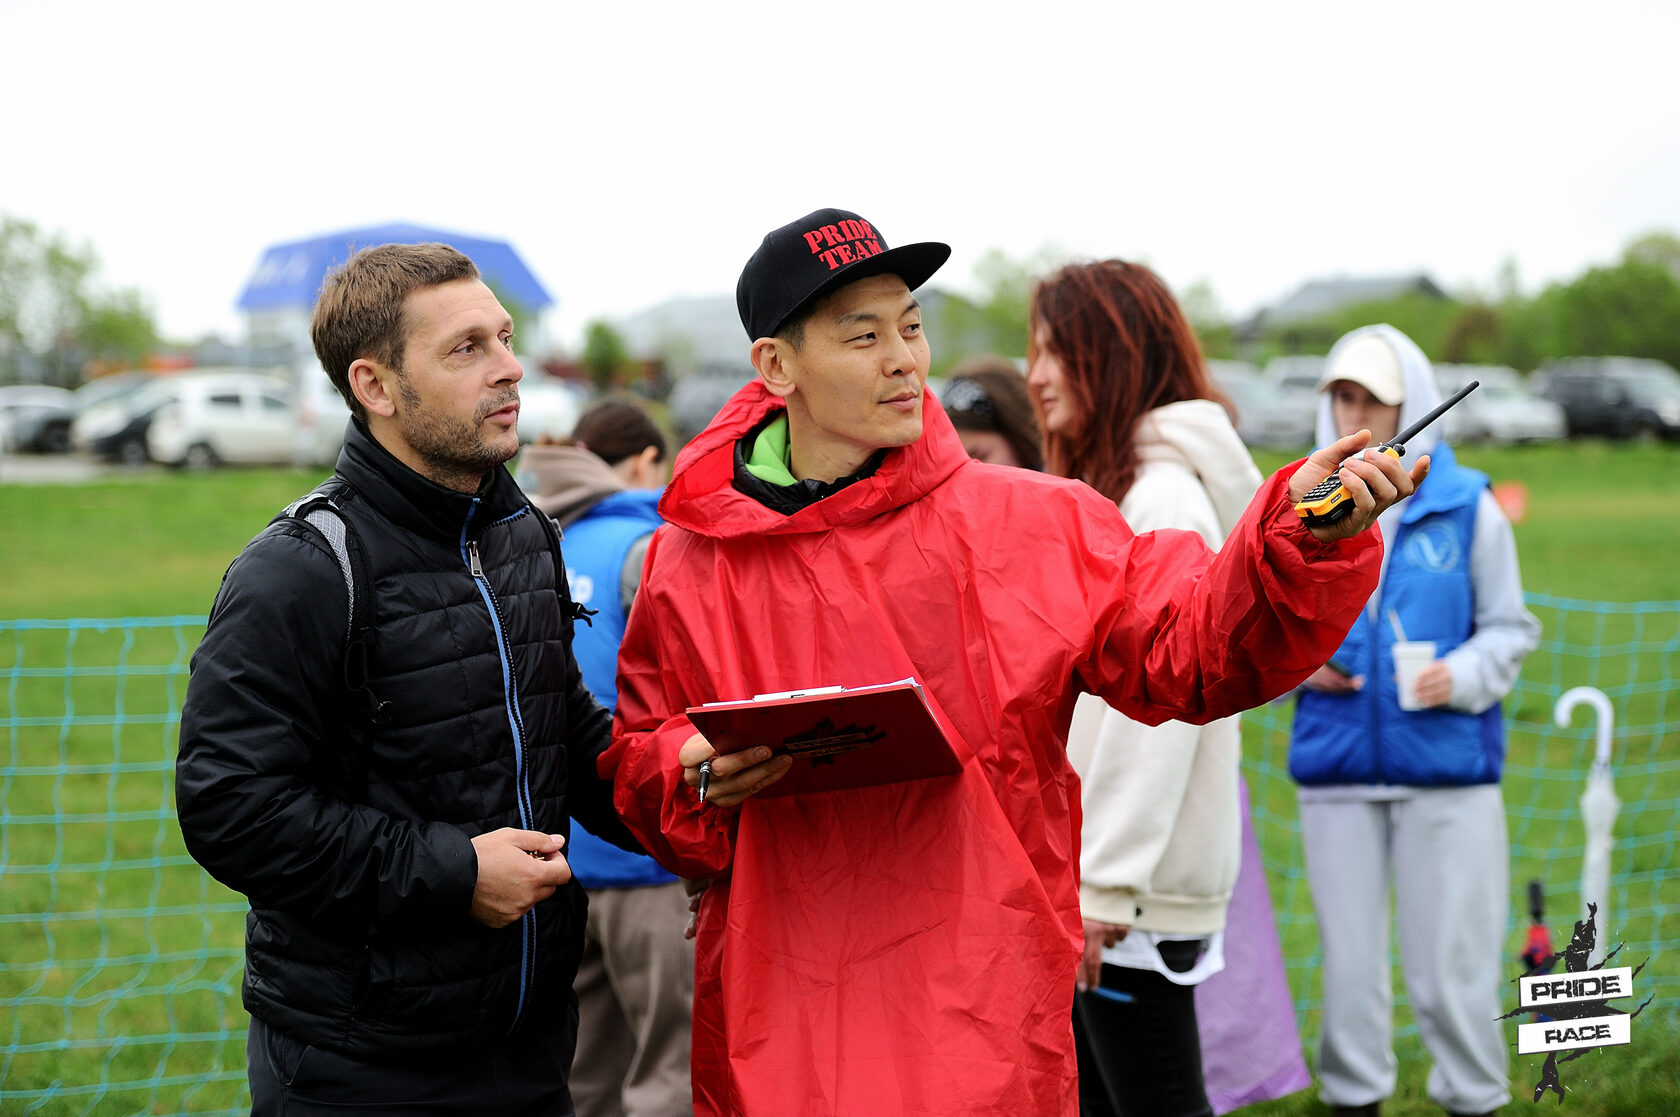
(1434, 547)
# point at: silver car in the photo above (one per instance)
(1501, 410)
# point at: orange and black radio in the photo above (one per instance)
(1329, 500)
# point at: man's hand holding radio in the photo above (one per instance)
(1374, 480)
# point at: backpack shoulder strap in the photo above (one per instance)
(320, 511)
(570, 610)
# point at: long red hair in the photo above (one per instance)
(1125, 349)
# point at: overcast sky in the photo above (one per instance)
(633, 153)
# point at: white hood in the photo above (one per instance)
(1197, 434)
(1422, 394)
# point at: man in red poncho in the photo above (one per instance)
(910, 948)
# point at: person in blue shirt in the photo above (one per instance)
(635, 984)
(1403, 788)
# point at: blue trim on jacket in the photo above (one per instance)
(597, 545)
(1364, 737)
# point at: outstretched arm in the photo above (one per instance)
(1218, 634)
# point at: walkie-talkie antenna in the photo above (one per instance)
(1399, 441)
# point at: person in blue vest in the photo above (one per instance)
(1400, 783)
(635, 984)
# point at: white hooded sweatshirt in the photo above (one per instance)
(1162, 830)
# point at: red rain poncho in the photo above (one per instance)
(910, 949)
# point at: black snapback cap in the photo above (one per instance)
(822, 251)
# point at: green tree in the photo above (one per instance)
(1631, 309)
(605, 356)
(1662, 249)
(1473, 336)
(51, 308)
(996, 321)
(1424, 318)
(1207, 317)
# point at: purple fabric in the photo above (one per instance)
(1251, 1045)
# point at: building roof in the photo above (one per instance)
(1319, 297)
(289, 275)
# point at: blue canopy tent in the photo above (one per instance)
(289, 275)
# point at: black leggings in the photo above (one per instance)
(1143, 1058)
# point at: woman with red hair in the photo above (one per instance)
(1127, 405)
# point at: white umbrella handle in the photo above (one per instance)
(1600, 702)
(1598, 808)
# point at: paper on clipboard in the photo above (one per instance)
(839, 737)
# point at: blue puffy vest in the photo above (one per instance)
(596, 546)
(1365, 737)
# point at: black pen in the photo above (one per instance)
(705, 777)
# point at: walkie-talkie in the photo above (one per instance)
(1329, 501)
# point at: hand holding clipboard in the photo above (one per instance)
(829, 738)
(728, 780)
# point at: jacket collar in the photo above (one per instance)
(788, 498)
(421, 506)
(703, 497)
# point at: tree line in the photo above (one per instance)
(58, 324)
(56, 320)
(1627, 309)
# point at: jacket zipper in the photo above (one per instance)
(522, 775)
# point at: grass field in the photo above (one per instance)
(120, 960)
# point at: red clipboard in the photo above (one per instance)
(838, 737)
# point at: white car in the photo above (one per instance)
(1293, 379)
(207, 418)
(1264, 417)
(1502, 409)
(548, 407)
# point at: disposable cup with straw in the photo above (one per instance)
(1410, 657)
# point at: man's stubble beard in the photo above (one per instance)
(455, 452)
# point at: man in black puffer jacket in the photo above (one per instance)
(414, 928)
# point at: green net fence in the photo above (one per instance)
(1631, 652)
(120, 960)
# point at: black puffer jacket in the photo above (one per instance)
(349, 830)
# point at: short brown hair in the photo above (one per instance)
(359, 312)
(615, 429)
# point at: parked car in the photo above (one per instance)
(699, 395)
(1298, 371)
(322, 416)
(1621, 397)
(1264, 418)
(1224, 370)
(1294, 380)
(549, 407)
(115, 428)
(203, 419)
(55, 430)
(1502, 409)
(26, 415)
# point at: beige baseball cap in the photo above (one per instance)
(1370, 361)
